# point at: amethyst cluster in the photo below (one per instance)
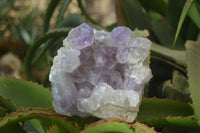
(100, 73)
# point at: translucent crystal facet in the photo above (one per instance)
(80, 37)
(121, 35)
(100, 73)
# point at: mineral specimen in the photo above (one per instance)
(100, 73)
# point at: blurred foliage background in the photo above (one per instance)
(31, 31)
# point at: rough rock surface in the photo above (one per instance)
(100, 73)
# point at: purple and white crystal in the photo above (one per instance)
(100, 73)
(80, 38)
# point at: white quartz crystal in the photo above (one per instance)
(100, 73)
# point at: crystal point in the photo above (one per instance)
(80, 37)
(121, 34)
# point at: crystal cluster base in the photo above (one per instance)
(100, 73)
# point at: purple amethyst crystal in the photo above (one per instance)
(133, 85)
(81, 37)
(121, 35)
(122, 55)
(105, 56)
(100, 73)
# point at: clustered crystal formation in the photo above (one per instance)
(100, 73)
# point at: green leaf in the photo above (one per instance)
(165, 60)
(179, 130)
(159, 6)
(31, 95)
(41, 52)
(24, 93)
(82, 122)
(163, 67)
(189, 31)
(193, 62)
(72, 20)
(141, 128)
(163, 30)
(25, 35)
(12, 107)
(179, 90)
(194, 14)
(198, 37)
(29, 56)
(37, 113)
(54, 129)
(3, 111)
(116, 125)
(164, 89)
(16, 128)
(35, 125)
(152, 108)
(184, 13)
(131, 14)
(184, 122)
(51, 7)
(177, 56)
(174, 10)
(63, 7)
(6, 103)
(180, 83)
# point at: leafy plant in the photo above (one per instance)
(171, 102)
